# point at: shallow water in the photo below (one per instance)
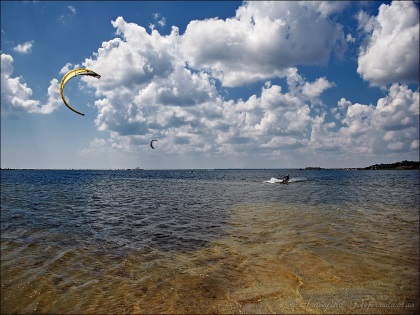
(209, 241)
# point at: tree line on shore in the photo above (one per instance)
(403, 165)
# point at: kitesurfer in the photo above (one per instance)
(286, 178)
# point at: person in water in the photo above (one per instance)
(286, 178)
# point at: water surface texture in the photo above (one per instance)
(209, 241)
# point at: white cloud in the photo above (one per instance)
(314, 90)
(263, 40)
(399, 110)
(72, 9)
(326, 8)
(24, 48)
(68, 67)
(163, 87)
(63, 18)
(153, 94)
(151, 89)
(274, 114)
(16, 95)
(161, 21)
(391, 53)
(350, 38)
(391, 124)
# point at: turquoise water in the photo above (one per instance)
(209, 241)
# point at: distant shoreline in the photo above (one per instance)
(403, 165)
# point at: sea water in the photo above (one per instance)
(209, 241)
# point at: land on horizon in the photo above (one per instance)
(403, 165)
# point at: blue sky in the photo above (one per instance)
(223, 84)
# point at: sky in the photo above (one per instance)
(219, 84)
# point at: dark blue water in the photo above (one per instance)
(154, 217)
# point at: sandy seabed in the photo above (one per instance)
(272, 259)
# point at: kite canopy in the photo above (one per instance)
(151, 143)
(68, 76)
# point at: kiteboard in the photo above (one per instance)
(274, 180)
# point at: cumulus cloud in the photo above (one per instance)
(391, 53)
(314, 90)
(68, 67)
(263, 40)
(72, 9)
(350, 38)
(150, 87)
(391, 124)
(16, 95)
(24, 48)
(327, 8)
(155, 93)
(269, 118)
(161, 21)
(165, 87)
(63, 18)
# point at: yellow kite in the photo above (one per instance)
(68, 76)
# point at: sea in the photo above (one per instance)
(209, 241)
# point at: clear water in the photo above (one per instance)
(209, 241)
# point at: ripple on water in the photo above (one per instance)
(273, 259)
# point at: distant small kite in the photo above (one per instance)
(151, 143)
(68, 76)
